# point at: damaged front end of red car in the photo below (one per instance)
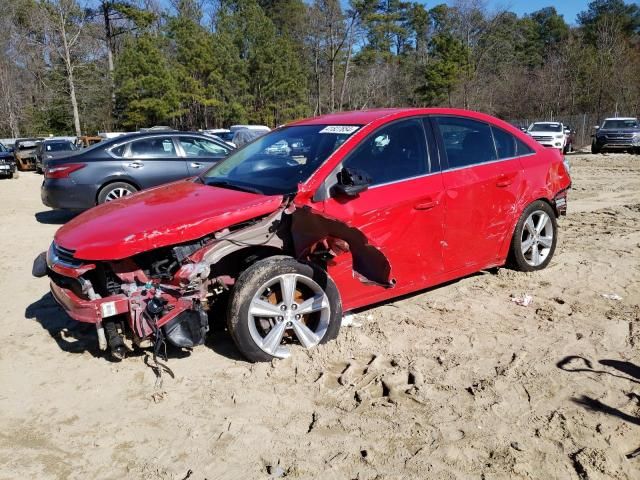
(167, 293)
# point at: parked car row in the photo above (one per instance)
(615, 134)
(312, 219)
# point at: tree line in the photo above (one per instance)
(75, 67)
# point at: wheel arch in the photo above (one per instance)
(508, 239)
(237, 261)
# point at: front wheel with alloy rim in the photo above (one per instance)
(114, 191)
(535, 237)
(279, 302)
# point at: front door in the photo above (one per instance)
(153, 161)
(401, 213)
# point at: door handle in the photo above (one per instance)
(195, 165)
(426, 204)
(136, 165)
(503, 181)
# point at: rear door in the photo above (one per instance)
(482, 184)
(154, 160)
(201, 153)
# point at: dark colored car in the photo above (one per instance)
(321, 216)
(7, 162)
(50, 149)
(114, 168)
(621, 133)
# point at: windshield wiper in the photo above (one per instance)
(231, 186)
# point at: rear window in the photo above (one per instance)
(466, 141)
(505, 143)
(523, 149)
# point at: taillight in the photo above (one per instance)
(63, 171)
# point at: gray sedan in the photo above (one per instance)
(114, 168)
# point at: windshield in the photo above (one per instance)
(630, 123)
(59, 147)
(275, 163)
(3, 148)
(546, 127)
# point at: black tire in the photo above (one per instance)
(518, 259)
(248, 285)
(595, 148)
(108, 189)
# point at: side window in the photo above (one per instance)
(505, 143)
(466, 141)
(153, 147)
(395, 152)
(199, 147)
(523, 149)
(119, 150)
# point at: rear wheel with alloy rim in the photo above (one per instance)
(279, 302)
(114, 191)
(535, 237)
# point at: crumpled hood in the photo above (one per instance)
(162, 216)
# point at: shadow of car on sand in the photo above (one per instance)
(55, 217)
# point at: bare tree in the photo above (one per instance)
(63, 27)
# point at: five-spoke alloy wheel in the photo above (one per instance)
(534, 239)
(278, 302)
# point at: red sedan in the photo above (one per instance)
(313, 219)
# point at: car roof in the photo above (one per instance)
(365, 117)
(547, 123)
(155, 133)
(56, 140)
(620, 118)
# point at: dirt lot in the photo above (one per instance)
(456, 382)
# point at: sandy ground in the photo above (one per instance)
(456, 382)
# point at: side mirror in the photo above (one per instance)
(351, 182)
(597, 127)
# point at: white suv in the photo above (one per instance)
(549, 134)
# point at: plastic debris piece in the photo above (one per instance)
(612, 296)
(349, 320)
(523, 301)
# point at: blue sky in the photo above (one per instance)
(567, 8)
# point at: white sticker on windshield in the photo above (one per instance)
(339, 129)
